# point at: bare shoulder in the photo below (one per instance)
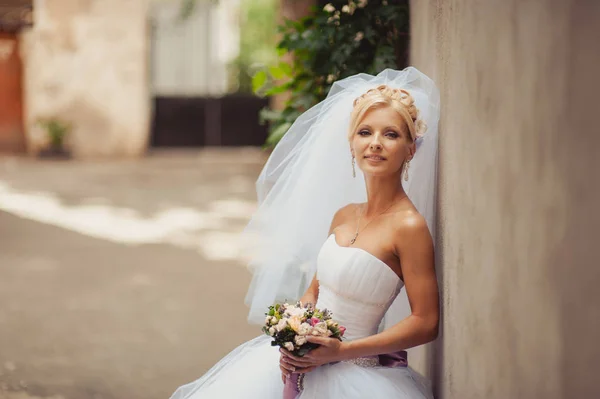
(411, 225)
(413, 243)
(345, 212)
(342, 215)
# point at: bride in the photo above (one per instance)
(346, 212)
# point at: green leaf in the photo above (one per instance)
(285, 68)
(281, 51)
(258, 81)
(276, 90)
(276, 72)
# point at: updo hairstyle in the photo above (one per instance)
(400, 100)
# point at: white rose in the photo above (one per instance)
(294, 311)
(304, 329)
(281, 325)
(273, 320)
(289, 346)
(295, 323)
(272, 331)
(300, 340)
(268, 320)
(320, 329)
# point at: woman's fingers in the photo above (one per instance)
(295, 359)
(286, 366)
(289, 354)
(296, 363)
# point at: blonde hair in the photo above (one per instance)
(400, 100)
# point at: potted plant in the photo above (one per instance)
(56, 131)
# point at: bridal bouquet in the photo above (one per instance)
(290, 324)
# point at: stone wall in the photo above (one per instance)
(519, 195)
(86, 62)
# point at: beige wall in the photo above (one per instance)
(519, 195)
(86, 62)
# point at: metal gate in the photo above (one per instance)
(189, 60)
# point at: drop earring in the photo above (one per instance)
(353, 168)
(406, 166)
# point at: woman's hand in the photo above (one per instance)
(289, 364)
(286, 368)
(329, 351)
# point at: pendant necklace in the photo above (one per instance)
(353, 240)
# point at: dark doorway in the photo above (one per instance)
(231, 120)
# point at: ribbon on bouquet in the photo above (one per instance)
(293, 385)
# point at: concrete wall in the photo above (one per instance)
(519, 195)
(86, 62)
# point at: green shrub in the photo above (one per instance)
(336, 41)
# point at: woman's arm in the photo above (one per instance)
(312, 293)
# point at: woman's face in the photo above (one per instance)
(381, 142)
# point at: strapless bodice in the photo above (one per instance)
(356, 286)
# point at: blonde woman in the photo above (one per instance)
(347, 208)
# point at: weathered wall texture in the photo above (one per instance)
(519, 195)
(86, 62)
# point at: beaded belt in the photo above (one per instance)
(365, 361)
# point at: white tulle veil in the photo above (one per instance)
(308, 177)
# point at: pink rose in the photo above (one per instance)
(313, 321)
(342, 330)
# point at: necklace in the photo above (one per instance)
(353, 240)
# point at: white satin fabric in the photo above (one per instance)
(358, 288)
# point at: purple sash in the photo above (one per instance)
(293, 384)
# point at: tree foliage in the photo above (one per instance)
(343, 38)
(258, 20)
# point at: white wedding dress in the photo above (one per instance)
(358, 288)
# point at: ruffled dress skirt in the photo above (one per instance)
(252, 371)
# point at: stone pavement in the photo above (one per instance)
(120, 279)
